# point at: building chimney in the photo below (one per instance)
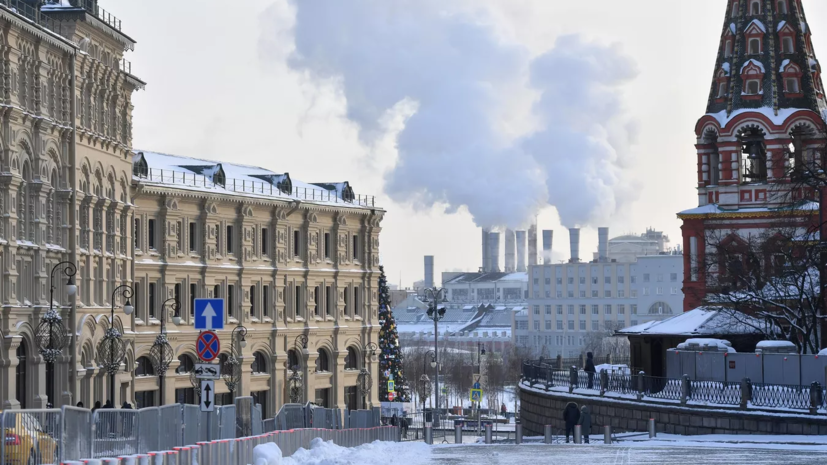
(486, 258)
(574, 236)
(548, 235)
(494, 251)
(603, 244)
(532, 245)
(510, 253)
(429, 271)
(521, 243)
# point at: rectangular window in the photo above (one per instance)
(634, 279)
(218, 239)
(136, 233)
(230, 300)
(673, 277)
(559, 294)
(571, 280)
(176, 293)
(582, 309)
(621, 280)
(139, 311)
(253, 308)
(659, 290)
(583, 294)
(296, 244)
(193, 292)
(559, 309)
(536, 325)
(559, 325)
(151, 300)
(548, 280)
(595, 325)
(347, 301)
(607, 279)
(634, 309)
(265, 237)
(326, 245)
(192, 240)
(316, 297)
(230, 245)
(595, 293)
(634, 293)
(621, 293)
(216, 291)
(548, 325)
(621, 309)
(571, 309)
(595, 309)
(559, 281)
(265, 300)
(179, 232)
(536, 281)
(571, 325)
(582, 280)
(607, 294)
(548, 309)
(645, 277)
(582, 325)
(151, 233)
(594, 279)
(328, 300)
(355, 247)
(297, 302)
(571, 294)
(607, 309)
(357, 300)
(536, 309)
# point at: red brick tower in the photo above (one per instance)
(765, 118)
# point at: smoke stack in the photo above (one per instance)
(521, 243)
(603, 244)
(494, 251)
(574, 236)
(548, 235)
(429, 271)
(486, 258)
(532, 245)
(510, 254)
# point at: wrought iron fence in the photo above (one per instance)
(540, 373)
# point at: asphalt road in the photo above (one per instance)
(623, 455)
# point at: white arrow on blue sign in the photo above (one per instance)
(209, 314)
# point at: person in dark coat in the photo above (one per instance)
(126, 405)
(79, 405)
(97, 405)
(108, 404)
(585, 423)
(590, 369)
(394, 420)
(571, 415)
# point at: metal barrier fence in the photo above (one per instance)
(743, 393)
(257, 420)
(31, 436)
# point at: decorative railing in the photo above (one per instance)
(640, 386)
(198, 181)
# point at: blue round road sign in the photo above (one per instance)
(208, 346)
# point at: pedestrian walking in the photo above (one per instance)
(394, 420)
(585, 423)
(571, 415)
(503, 410)
(590, 369)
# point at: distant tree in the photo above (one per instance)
(391, 358)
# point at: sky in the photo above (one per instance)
(358, 94)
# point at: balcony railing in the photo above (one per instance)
(92, 7)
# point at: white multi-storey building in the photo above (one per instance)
(568, 301)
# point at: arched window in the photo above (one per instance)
(728, 49)
(660, 308)
(782, 7)
(753, 87)
(144, 367)
(293, 362)
(754, 155)
(755, 7)
(352, 359)
(787, 45)
(754, 46)
(791, 74)
(185, 364)
(20, 374)
(322, 361)
(734, 9)
(259, 363)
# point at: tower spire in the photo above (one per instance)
(766, 60)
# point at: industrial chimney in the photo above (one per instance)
(521, 243)
(603, 244)
(548, 235)
(494, 251)
(429, 271)
(510, 253)
(532, 245)
(486, 258)
(574, 236)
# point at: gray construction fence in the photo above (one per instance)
(50, 436)
(762, 368)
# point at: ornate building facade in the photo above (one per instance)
(764, 123)
(290, 259)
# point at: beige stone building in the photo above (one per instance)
(289, 258)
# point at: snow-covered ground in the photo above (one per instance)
(665, 449)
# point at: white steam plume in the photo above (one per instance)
(456, 73)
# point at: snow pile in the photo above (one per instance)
(721, 345)
(267, 454)
(328, 453)
(618, 369)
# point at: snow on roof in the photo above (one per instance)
(199, 174)
(783, 65)
(757, 23)
(784, 344)
(715, 209)
(781, 25)
(732, 27)
(727, 68)
(754, 62)
(706, 344)
(699, 321)
(779, 119)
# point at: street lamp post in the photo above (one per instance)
(51, 334)
(480, 353)
(424, 378)
(161, 351)
(232, 376)
(296, 385)
(112, 347)
(365, 380)
(436, 296)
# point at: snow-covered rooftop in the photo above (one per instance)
(153, 168)
(710, 209)
(700, 321)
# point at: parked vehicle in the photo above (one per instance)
(28, 443)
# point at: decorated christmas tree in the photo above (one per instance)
(390, 354)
